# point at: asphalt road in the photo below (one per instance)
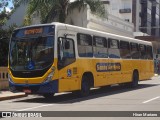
(146, 97)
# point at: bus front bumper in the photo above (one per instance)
(47, 87)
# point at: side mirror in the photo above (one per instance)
(67, 45)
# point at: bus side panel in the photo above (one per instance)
(126, 71)
(146, 69)
(100, 72)
(116, 76)
(68, 78)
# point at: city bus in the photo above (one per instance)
(50, 58)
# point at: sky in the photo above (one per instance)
(8, 8)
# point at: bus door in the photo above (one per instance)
(67, 67)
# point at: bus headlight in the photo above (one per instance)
(10, 79)
(49, 77)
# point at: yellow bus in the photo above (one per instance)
(51, 58)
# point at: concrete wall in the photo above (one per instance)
(115, 5)
(113, 25)
(3, 78)
(110, 23)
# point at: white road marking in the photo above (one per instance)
(35, 107)
(31, 108)
(151, 99)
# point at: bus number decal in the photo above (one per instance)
(106, 67)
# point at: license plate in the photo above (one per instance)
(27, 91)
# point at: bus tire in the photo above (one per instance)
(85, 87)
(135, 79)
(48, 95)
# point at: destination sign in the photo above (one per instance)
(106, 67)
(33, 31)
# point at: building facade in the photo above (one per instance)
(146, 20)
(146, 16)
(112, 22)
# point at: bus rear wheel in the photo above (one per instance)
(135, 79)
(48, 95)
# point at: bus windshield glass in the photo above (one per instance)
(35, 52)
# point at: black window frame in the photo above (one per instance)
(90, 44)
(109, 40)
(131, 43)
(126, 48)
(148, 52)
(117, 48)
(145, 49)
(105, 41)
(121, 41)
(88, 35)
(137, 49)
(104, 46)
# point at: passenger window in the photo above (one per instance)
(143, 53)
(125, 50)
(134, 51)
(149, 52)
(66, 52)
(100, 47)
(85, 48)
(113, 50)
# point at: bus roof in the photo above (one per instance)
(87, 30)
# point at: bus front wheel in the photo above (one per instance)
(85, 87)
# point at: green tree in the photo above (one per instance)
(4, 44)
(51, 9)
(3, 17)
(5, 33)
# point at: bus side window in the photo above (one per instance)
(66, 52)
(85, 48)
(134, 51)
(113, 49)
(143, 51)
(100, 47)
(149, 52)
(125, 50)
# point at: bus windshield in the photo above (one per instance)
(31, 53)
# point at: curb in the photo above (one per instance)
(13, 97)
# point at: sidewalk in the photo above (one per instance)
(156, 75)
(7, 95)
